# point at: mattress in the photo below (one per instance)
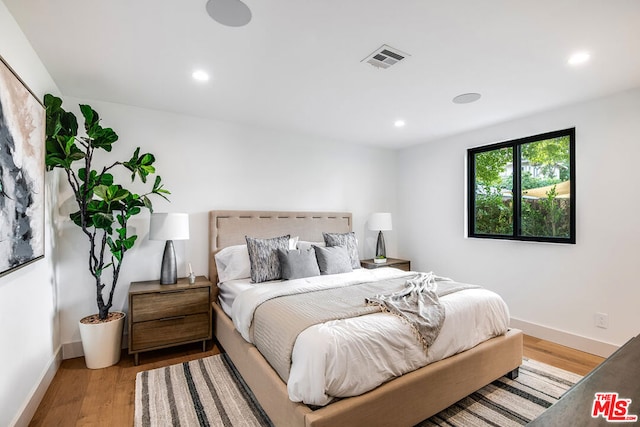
(348, 357)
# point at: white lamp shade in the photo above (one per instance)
(169, 226)
(380, 221)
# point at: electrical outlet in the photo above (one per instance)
(602, 320)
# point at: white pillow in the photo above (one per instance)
(233, 262)
(293, 242)
(304, 245)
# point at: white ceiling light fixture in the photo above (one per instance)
(399, 123)
(466, 98)
(200, 76)
(579, 58)
(232, 13)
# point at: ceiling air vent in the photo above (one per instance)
(385, 56)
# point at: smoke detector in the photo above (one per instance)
(385, 56)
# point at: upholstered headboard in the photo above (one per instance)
(227, 228)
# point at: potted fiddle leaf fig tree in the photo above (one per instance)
(104, 208)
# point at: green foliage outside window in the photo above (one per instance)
(544, 177)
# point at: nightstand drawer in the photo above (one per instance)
(170, 330)
(159, 305)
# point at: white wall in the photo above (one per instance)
(29, 330)
(215, 165)
(550, 288)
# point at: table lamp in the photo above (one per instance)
(169, 227)
(380, 221)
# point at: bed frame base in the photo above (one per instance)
(404, 401)
(513, 374)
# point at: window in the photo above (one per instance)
(539, 169)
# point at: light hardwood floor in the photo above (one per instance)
(105, 397)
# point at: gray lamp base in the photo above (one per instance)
(380, 249)
(168, 271)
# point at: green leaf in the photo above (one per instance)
(102, 220)
(121, 220)
(75, 217)
(142, 166)
(117, 254)
(147, 159)
(91, 118)
(106, 179)
(99, 137)
(101, 191)
(129, 242)
(158, 190)
(122, 232)
(111, 193)
(52, 102)
(104, 138)
(61, 151)
(95, 206)
(147, 203)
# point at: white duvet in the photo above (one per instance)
(343, 358)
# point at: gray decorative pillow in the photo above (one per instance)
(263, 256)
(296, 263)
(349, 241)
(333, 260)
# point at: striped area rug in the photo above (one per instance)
(210, 392)
(204, 392)
(507, 402)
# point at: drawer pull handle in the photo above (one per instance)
(172, 318)
(172, 292)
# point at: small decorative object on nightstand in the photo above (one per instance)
(402, 264)
(191, 277)
(163, 316)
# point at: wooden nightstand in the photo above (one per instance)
(402, 264)
(163, 316)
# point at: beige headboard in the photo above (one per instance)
(227, 228)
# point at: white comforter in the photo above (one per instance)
(343, 358)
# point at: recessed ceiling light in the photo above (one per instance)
(579, 58)
(466, 98)
(200, 76)
(399, 123)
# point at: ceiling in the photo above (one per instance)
(297, 65)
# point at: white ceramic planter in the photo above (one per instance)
(102, 342)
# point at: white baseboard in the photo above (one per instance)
(71, 350)
(567, 339)
(28, 410)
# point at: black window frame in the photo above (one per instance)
(517, 201)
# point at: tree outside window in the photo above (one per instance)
(539, 169)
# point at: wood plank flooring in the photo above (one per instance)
(105, 397)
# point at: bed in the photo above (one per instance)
(405, 400)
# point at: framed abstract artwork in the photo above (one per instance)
(22, 137)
